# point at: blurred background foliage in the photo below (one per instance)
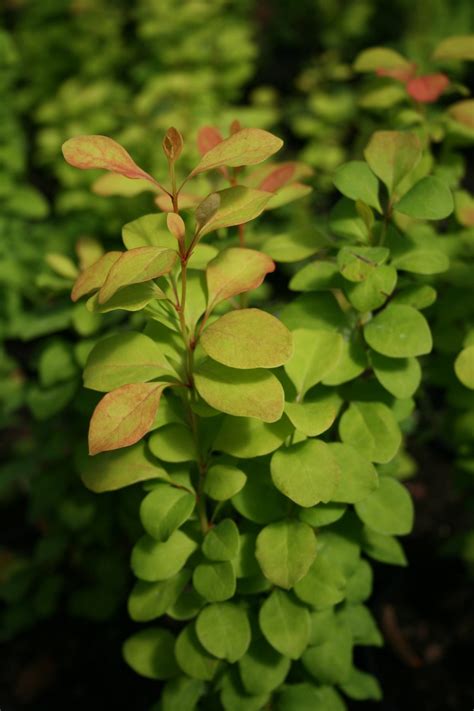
(130, 70)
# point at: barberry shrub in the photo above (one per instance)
(269, 449)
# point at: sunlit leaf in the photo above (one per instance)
(235, 206)
(391, 155)
(235, 271)
(136, 266)
(87, 152)
(429, 199)
(94, 276)
(248, 146)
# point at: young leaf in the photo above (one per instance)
(388, 509)
(164, 510)
(285, 624)
(371, 428)
(243, 393)
(248, 146)
(120, 468)
(124, 416)
(136, 266)
(236, 206)
(87, 152)
(176, 225)
(224, 631)
(399, 331)
(429, 199)
(355, 180)
(248, 338)
(94, 276)
(235, 271)
(172, 144)
(428, 88)
(208, 137)
(150, 653)
(391, 155)
(285, 551)
(124, 359)
(306, 473)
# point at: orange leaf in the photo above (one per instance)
(208, 137)
(278, 178)
(428, 88)
(124, 416)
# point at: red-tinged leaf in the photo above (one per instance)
(186, 201)
(208, 138)
(135, 267)
(235, 271)
(124, 416)
(428, 88)
(246, 147)
(88, 152)
(235, 127)
(463, 112)
(176, 225)
(279, 177)
(402, 74)
(233, 206)
(172, 144)
(94, 276)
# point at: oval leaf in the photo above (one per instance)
(135, 267)
(235, 271)
(87, 152)
(285, 551)
(248, 146)
(399, 331)
(429, 199)
(224, 631)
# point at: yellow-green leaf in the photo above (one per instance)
(114, 470)
(235, 206)
(458, 47)
(391, 155)
(235, 271)
(87, 152)
(248, 146)
(373, 58)
(94, 276)
(137, 266)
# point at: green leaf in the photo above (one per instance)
(246, 437)
(153, 560)
(316, 414)
(356, 181)
(457, 47)
(259, 501)
(244, 393)
(262, 669)
(419, 296)
(214, 581)
(362, 686)
(136, 266)
(429, 199)
(371, 428)
(373, 58)
(148, 231)
(56, 363)
(306, 697)
(150, 653)
(181, 694)
(192, 657)
(224, 631)
(285, 624)
(374, 291)
(123, 359)
(285, 551)
(358, 476)
(323, 586)
(316, 353)
(116, 469)
(399, 331)
(391, 155)
(331, 661)
(399, 376)
(322, 514)
(389, 509)
(173, 443)
(130, 298)
(164, 509)
(187, 605)
(115, 184)
(245, 564)
(307, 473)
(289, 248)
(316, 276)
(147, 601)
(362, 625)
(353, 362)
(248, 338)
(124, 416)
(248, 146)
(236, 206)
(357, 263)
(94, 276)
(233, 696)
(221, 543)
(346, 222)
(385, 549)
(359, 585)
(223, 481)
(464, 367)
(235, 271)
(87, 152)
(314, 311)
